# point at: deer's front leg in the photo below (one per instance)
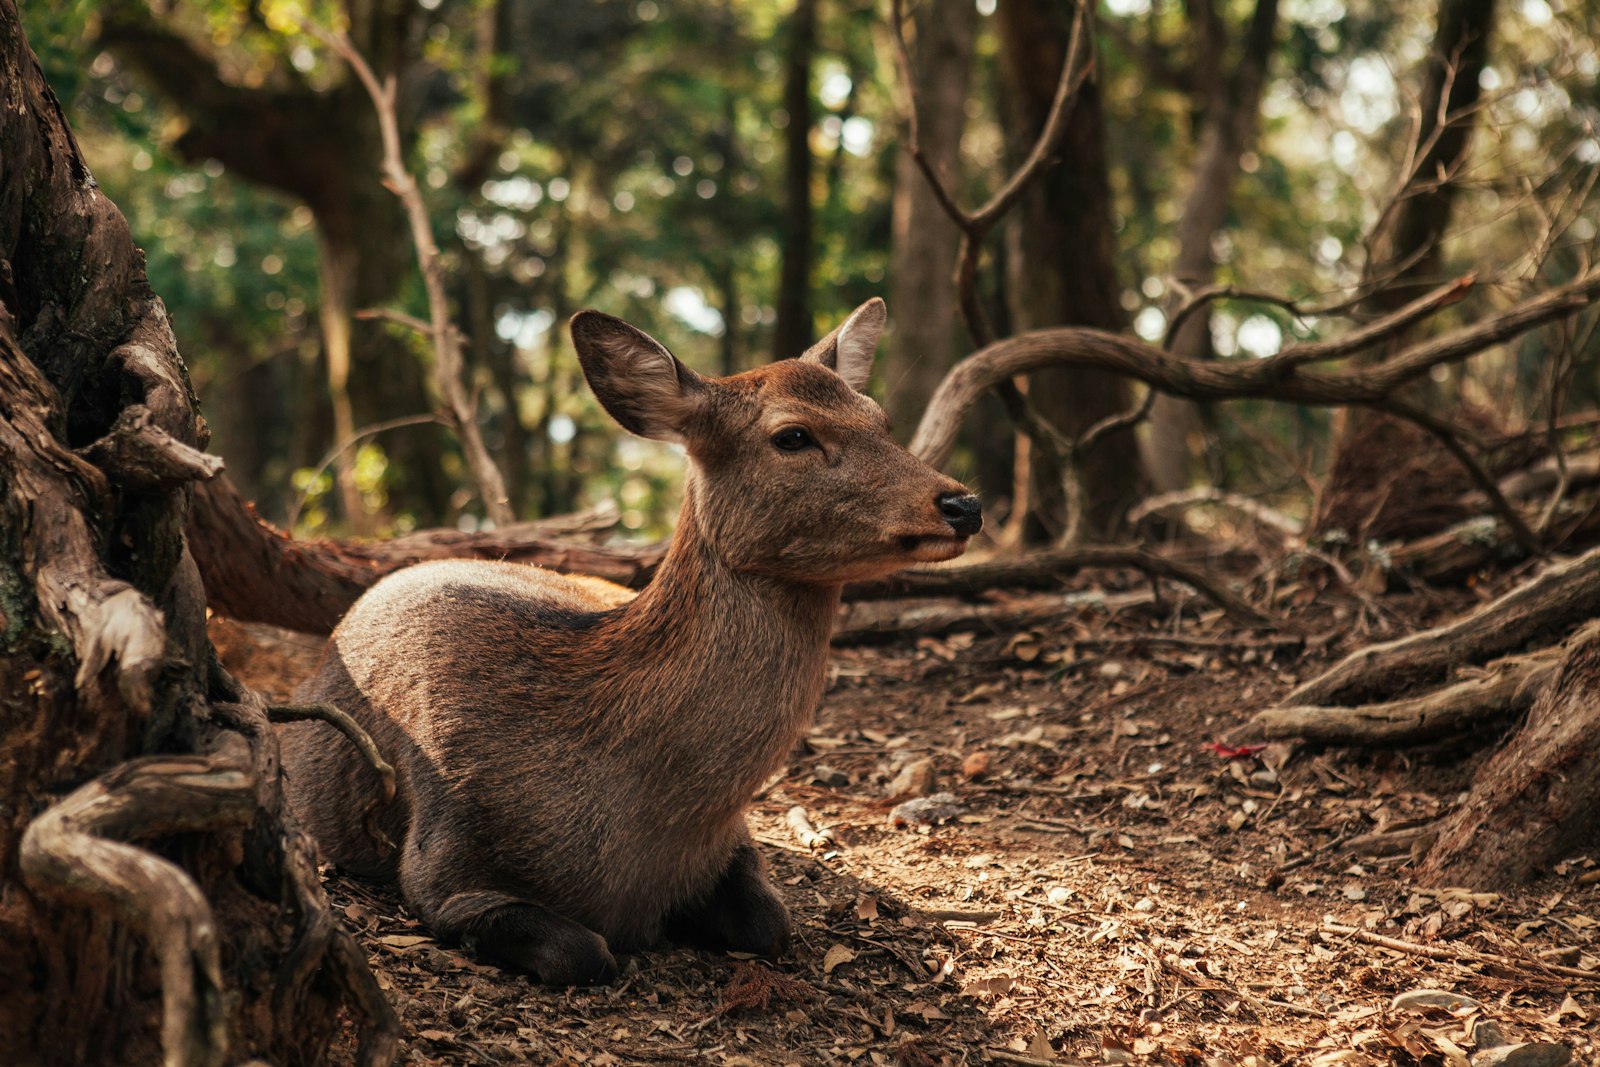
(529, 938)
(742, 912)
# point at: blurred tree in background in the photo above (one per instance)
(728, 176)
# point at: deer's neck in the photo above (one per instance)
(725, 668)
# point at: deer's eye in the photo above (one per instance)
(792, 439)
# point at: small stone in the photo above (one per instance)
(1058, 894)
(823, 774)
(1533, 1054)
(1486, 1034)
(976, 766)
(926, 811)
(1145, 905)
(1423, 999)
(914, 780)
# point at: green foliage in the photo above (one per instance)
(634, 162)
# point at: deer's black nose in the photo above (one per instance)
(962, 511)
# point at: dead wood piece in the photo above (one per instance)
(808, 834)
(138, 453)
(1544, 608)
(450, 374)
(68, 853)
(869, 621)
(1214, 380)
(1188, 498)
(254, 572)
(1525, 968)
(1509, 686)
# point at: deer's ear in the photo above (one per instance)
(849, 349)
(638, 382)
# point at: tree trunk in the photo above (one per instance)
(926, 334)
(323, 147)
(1404, 260)
(1227, 126)
(794, 327)
(1534, 803)
(119, 729)
(1062, 264)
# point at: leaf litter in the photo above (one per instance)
(1112, 878)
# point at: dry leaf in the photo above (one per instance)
(867, 909)
(403, 940)
(1000, 983)
(837, 956)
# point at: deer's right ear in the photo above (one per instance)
(637, 381)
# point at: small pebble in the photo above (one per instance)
(823, 774)
(1145, 905)
(1058, 894)
(914, 780)
(926, 811)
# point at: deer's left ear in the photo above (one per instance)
(849, 349)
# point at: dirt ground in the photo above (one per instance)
(1109, 880)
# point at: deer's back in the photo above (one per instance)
(469, 675)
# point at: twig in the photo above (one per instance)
(340, 448)
(1188, 498)
(1454, 955)
(1374, 332)
(809, 835)
(449, 362)
(359, 737)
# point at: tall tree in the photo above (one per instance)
(1061, 263)
(793, 331)
(321, 145)
(157, 901)
(1229, 83)
(925, 337)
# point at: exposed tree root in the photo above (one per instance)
(288, 855)
(1533, 803)
(363, 741)
(1507, 686)
(1504, 964)
(1541, 610)
(70, 853)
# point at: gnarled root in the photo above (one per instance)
(72, 853)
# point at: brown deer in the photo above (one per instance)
(573, 762)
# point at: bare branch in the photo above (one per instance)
(1213, 380)
(449, 361)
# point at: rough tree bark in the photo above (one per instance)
(157, 903)
(926, 328)
(1534, 802)
(1062, 264)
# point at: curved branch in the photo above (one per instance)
(1214, 380)
(66, 855)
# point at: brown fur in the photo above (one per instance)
(562, 745)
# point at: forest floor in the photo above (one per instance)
(1110, 882)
